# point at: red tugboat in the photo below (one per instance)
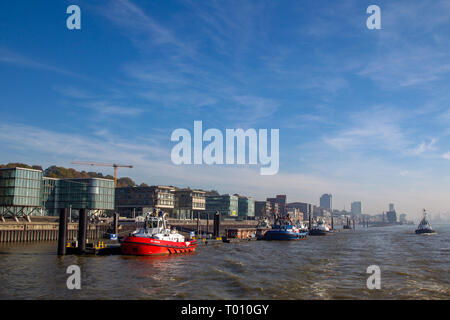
(156, 239)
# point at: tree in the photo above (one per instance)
(125, 182)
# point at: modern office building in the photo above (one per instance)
(189, 203)
(356, 208)
(246, 207)
(136, 201)
(326, 202)
(391, 207)
(227, 205)
(91, 193)
(26, 192)
(262, 209)
(21, 192)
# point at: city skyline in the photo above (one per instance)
(363, 114)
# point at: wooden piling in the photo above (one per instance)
(217, 224)
(82, 231)
(62, 237)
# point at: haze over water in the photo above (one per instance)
(334, 267)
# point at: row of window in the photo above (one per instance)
(20, 192)
(22, 201)
(21, 173)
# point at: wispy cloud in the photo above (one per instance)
(375, 128)
(424, 147)
(9, 57)
(446, 155)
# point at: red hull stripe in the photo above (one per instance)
(160, 245)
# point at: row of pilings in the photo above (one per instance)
(28, 232)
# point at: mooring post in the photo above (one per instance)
(62, 237)
(332, 223)
(116, 223)
(198, 224)
(82, 231)
(217, 224)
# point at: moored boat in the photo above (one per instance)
(283, 229)
(424, 225)
(155, 238)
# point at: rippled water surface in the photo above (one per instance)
(333, 267)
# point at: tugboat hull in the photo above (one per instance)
(284, 235)
(422, 231)
(143, 246)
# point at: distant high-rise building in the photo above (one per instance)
(356, 208)
(281, 200)
(326, 201)
(391, 216)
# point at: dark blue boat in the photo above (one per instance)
(283, 230)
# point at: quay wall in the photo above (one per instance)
(35, 232)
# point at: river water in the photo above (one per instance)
(333, 267)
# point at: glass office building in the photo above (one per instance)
(92, 193)
(246, 207)
(226, 204)
(27, 192)
(20, 191)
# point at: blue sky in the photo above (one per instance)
(363, 114)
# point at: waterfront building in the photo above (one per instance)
(274, 206)
(326, 202)
(189, 203)
(226, 204)
(281, 200)
(136, 201)
(356, 208)
(246, 207)
(20, 192)
(295, 214)
(391, 207)
(26, 192)
(305, 208)
(95, 194)
(262, 209)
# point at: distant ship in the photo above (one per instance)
(424, 225)
(321, 229)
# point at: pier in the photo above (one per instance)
(46, 229)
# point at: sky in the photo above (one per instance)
(362, 114)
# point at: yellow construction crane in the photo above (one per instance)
(115, 166)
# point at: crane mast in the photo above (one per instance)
(102, 164)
